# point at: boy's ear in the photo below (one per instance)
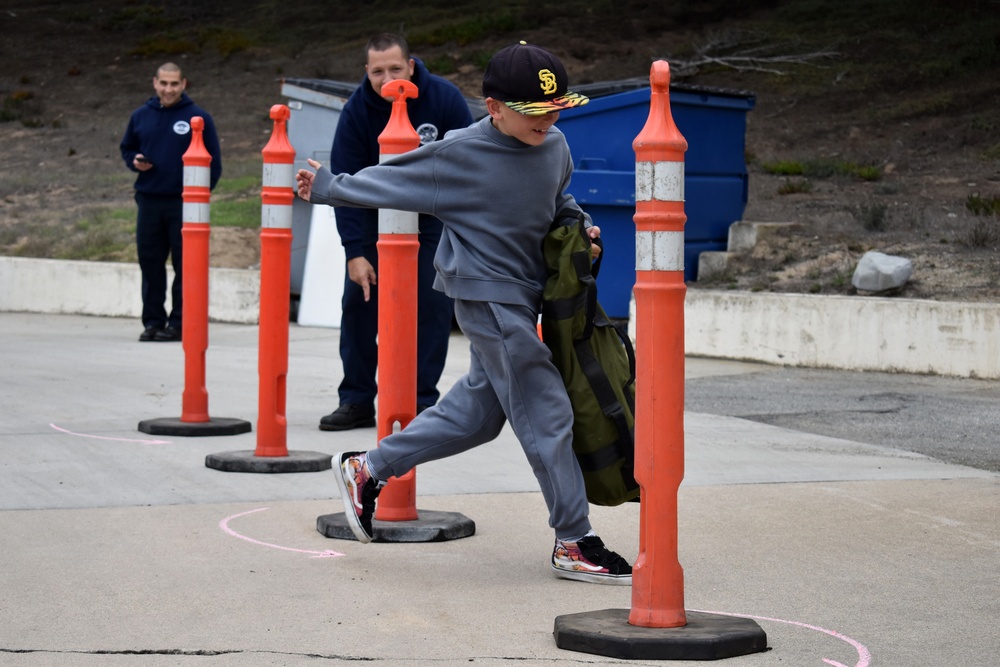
(493, 106)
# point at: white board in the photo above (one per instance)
(323, 275)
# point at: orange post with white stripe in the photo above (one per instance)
(195, 233)
(657, 578)
(277, 196)
(398, 247)
(656, 627)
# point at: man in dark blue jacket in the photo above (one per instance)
(157, 136)
(438, 108)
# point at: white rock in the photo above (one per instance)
(878, 272)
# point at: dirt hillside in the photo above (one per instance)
(896, 124)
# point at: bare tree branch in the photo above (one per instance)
(745, 53)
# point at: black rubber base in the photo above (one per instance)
(428, 527)
(214, 426)
(705, 637)
(247, 461)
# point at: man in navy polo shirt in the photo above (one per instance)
(157, 136)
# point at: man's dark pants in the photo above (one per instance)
(359, 329)
(157, 235)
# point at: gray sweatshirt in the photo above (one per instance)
(495, 195)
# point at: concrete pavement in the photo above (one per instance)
(121, 548)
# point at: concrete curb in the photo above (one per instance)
(849, 333)
(112, 289)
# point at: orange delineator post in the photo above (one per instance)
(277, 196)
(195, 234)
(398, 247)
(657, 577)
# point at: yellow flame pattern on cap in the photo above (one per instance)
(567, 101)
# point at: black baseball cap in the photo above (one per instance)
(529, 80)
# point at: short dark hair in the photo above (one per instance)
(169, 67)
(385, 41)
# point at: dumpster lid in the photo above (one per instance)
(603, 88)
(328, 86)
(344, 89)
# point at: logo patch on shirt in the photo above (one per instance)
(182, 127)
(428, 133)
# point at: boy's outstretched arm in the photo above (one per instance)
(304, 179)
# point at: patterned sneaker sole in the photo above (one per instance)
(593, 577)
(345, 495)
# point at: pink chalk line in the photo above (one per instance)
(864, 657)
(101, 437)
(224, 525)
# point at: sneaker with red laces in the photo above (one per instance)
(358, 490)
(589, 560)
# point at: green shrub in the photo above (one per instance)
(243, 212)
(167, 43)
(238, 184)
(441, 65)
(470, 30)
(236, 198)
(227, 42)
(783, 168)
(822, 168)
(873, 217)
(992, 152)
(869, 173)
(135, 17)
(983, 233)
(21, 105)
(481, 58)
(795, 187)
(983, 205)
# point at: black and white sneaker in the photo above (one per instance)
(589, 560)
(358, 490)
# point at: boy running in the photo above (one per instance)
(497, 186)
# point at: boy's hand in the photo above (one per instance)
(304, 179)
(594, 232)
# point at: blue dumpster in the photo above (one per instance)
(600, 137)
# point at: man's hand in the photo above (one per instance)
(361, 271)
(141, 163)
(304, 183)
(594, 232)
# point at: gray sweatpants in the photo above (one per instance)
(511, 378)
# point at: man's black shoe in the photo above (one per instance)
(346, 417)
(168, 335)
(149, 334)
